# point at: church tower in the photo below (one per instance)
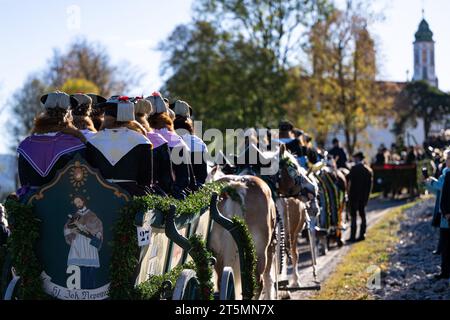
(424, 62)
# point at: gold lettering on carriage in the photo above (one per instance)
(62, 293)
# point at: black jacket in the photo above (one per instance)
(135, 165)
(182, 174)
(339, 152)
(163, 175)
(200, 167)
(361, 179)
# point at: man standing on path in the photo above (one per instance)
(360, 186)
(338, 154)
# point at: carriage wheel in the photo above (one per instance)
(187, 286)
(227, 289)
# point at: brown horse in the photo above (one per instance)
(256, 206)
(297, 202)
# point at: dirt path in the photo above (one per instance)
(328, 263)
(412, 266)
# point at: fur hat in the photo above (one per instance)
(84, 105)
(120, 108)
(157, 102)
(58, 99)
(96, 99)
(97, 104)
(182, 108)
(142, 106)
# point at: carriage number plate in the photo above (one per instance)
(143, 235)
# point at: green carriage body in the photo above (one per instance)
(65, 278)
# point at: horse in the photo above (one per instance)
(250, 198)
(295, 196)
(298, 203)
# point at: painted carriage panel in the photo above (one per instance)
(154, 255)
(78, 210)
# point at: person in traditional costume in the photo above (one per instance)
(295, 143)
(84, 233)
(53, 143)
(120, 150)
(360, 181)
(162, 172)
(185, 128)
(160, 121)
(81, 115)
(98, 111)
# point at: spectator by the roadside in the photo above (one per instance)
(359, 188)
(436, 185)
(445, 235)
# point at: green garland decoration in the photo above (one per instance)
(124, 260)
(125, 253)
(152, 289)
(24, 228)
(248, 273)
(202, 260)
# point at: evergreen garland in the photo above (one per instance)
(248, 273)
(203, 268)
(25, 230)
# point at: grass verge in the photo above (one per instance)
(349, 281)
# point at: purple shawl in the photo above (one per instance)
(172, 138)
(156, 139)
(43, 151)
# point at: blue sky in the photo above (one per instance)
(130, 30)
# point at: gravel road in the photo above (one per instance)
(327, 264)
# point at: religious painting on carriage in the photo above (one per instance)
(78, 210)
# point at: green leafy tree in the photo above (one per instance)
(233, 59)
(339, 91)
(420, 100)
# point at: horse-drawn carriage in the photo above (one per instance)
(393, 178)
(332, 202)
(81, 237)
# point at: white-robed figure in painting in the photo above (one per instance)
(84, 233)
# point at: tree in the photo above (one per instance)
(220, 75)
(339, 92)
(72, 86)
(25, 105)
(85, 67)
(91, 62)
(232, 60)
(270, 25)
(421, 100)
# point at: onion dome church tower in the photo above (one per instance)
(424, 60)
